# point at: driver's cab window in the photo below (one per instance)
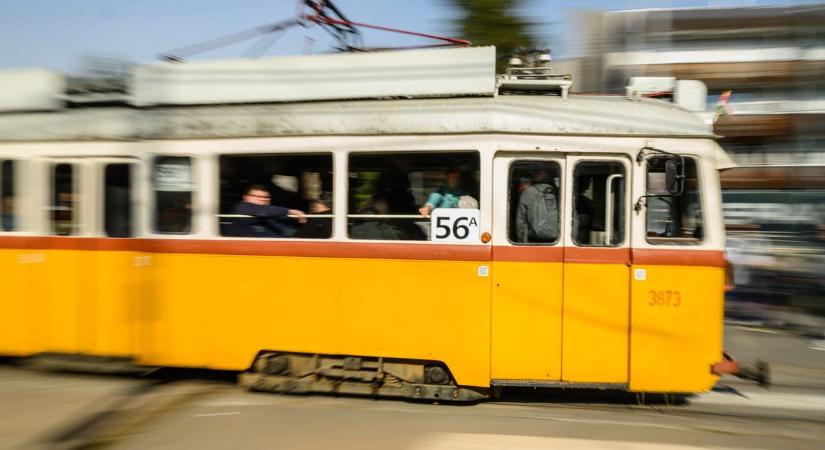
(673, 218)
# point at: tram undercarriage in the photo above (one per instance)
(297, 373)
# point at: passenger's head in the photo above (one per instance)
(543, 175)
(257, 194)
(453, 178)
(378, 205)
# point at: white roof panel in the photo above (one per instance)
(31, 90)
(413, 73)
(544, 114)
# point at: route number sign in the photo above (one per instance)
(455, 225)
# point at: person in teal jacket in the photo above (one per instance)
(446, 196)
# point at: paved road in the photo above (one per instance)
(48, 410)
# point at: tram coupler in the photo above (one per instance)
(760, 371)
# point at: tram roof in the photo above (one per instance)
(510, 114)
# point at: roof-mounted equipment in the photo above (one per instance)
(530, 72)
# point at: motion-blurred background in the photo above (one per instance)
(763, 64)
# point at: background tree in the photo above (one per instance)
(494, 22)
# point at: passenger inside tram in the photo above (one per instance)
(446, 196)
(173, 186)
(536, 213)
(599, 204)
(268, 195)
(318, 227)
(8, 223)
(377, 229)
(7, 194)
(64, 200)
(264, 219)
(391, 196)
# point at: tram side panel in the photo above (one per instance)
(677, 281)
(527, 315)
(420, 309)
(113, 323)
(220, 310)
(14, 319)
(676, 333)
(180, 291)
(114, 259)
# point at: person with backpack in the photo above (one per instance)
(537, 215)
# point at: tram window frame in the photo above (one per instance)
(652, 197)
(113, 206)
(409, 194)
(513, 202)
(55, 206)
(621, 215)
(9, 197)
(303, 181)
(189, 220)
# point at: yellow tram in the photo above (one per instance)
(119, 237)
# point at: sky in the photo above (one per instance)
(62, 34)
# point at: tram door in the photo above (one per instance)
(89, 306)
(115, 260)
(527, 268)
(59, 324)
(596, 300)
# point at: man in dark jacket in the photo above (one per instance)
(263, 220)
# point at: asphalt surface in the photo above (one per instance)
(53, 410)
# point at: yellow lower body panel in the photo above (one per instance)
(526, 321)
(62, 309)
(676, 328)
(14, 315)
(595, 323)
(117, 294)
(68, 301)
(219, 311)
(526, 314)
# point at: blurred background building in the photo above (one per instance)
(772, 59)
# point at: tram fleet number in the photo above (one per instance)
(665, 298)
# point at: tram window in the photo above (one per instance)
(252, 184)
(7, 195)
(64, 201)
(173, 185)
(117, 200)
(673, 219)
(534, 202)
(391, 196)
(599, 204)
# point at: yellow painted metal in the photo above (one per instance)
(88, 302)
(13, 314)
(219, 311)
(39, 287)
(62, 307)
(595, 323)
(115, 288)
(182, 293)
(526, 321)
(674, 340)
(68, 301)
